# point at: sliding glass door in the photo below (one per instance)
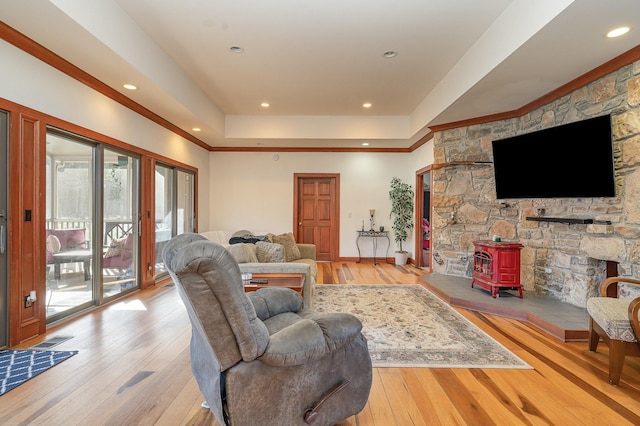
(120, 223)
(70, 219)
(174, 208)
(185, 203)
(92, 232)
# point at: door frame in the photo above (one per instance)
(419, 210)
(335, 237)
(4, 226)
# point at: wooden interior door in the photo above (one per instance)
(317, 212)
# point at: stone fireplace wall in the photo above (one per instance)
(565, 260)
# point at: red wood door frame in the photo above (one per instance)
(420, 214)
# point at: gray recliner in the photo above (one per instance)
(259, 358)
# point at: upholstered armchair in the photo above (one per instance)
(259, 358)
(614, 320)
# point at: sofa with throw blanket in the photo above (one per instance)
(270, 253)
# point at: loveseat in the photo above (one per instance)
(244, 255)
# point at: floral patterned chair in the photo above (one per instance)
(615, 321)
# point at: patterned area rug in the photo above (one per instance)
(408, 326)
(16, 367)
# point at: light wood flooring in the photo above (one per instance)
(133, 368)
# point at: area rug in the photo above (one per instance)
(408, 326)
(16, 367)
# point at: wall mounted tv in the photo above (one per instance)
(574, 160)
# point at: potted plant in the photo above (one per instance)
(401, 195)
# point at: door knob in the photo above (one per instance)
(299, 223)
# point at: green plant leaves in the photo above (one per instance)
(401, 195)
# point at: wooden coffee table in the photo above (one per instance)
(294, 281)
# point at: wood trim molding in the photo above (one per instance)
(26, 236)
(627, 58)
(293, 149)
(90, 134)
(24, 43)
(426, 138)
(419, 213)
(147, 210)
(35, 49)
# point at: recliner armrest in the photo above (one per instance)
(312, 337)
(269, 302)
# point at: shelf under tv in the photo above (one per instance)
(560, 220)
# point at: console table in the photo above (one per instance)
(373, 235)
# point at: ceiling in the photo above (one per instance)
(317, 62)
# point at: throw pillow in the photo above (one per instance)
(243, 253)
(291, 250)
(269, 252)
(53, 244)
(115, 248)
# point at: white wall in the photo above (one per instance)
(249, 190)
(423, 156)
(236, 190)
(27, 81)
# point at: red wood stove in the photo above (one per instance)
(496, 266)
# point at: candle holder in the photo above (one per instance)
(372, 212)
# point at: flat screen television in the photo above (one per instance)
(574, 160)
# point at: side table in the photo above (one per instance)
(292, 280)
(374, 235)
(73, 256)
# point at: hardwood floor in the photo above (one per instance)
(133, 368)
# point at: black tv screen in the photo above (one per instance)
(568, 161)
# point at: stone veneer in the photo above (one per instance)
(575, 254)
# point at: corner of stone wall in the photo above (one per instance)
(564, 260)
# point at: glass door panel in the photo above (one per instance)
(120, 240)
(174, 208)
(69, 225)
(185, 202)
(164, 206)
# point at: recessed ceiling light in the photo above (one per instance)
(617, 32)
(236, 49)
(265, 104)
(196, 129)
(366, 105)
(365, 143)
(390, 54)
(130, 87)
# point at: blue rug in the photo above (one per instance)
(16, 367)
